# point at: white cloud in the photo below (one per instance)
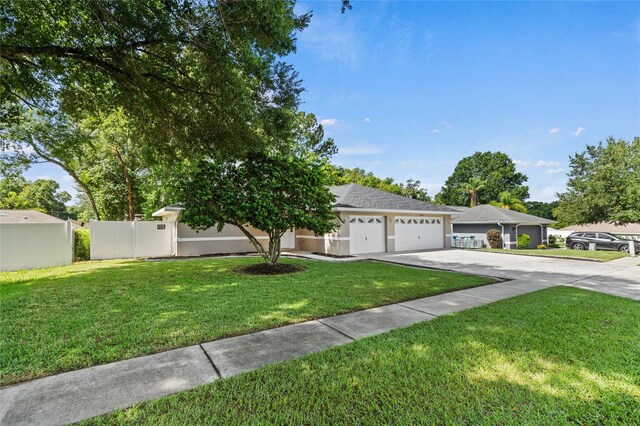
(546, 193)
(446, 124)
(540, 163)
(67, 178)
(555, 171)
(328, 121)
(554, 130)
(579, 131)
(360, 150)
(435, 131)
(45, 177)
(367, 120)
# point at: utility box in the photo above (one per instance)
(592, 246)
(632, 249)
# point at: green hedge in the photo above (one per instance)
(81, 244)
(524, 240)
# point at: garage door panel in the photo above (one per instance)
(367, 234)
(419, 233)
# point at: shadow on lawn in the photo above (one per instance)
(95, 313)
(557, 356)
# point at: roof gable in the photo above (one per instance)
(27, 216)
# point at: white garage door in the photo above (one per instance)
(367, 234)
(419, 233)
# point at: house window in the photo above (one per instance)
(370, 220)
(397, 220)
(360, 220)
(438, 221)
(421, 221)
(378, 220)
(352, 220)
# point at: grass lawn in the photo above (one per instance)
(91, 313)
(558, 356)
(602, 256)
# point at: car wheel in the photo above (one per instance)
(624, 248)
(577, 246)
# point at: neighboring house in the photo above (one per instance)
(27, 216)
(476, 221)
(630, 230)
(371, 221)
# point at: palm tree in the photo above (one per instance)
(510, 202)
(472, 188)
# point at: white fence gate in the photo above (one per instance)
(117, 239)
(35, 245)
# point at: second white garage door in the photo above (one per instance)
(419, 233)
(367, 234)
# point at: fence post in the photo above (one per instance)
(69, 235)
(134, 239)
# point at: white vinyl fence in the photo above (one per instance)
(35, 245)
(117, 240)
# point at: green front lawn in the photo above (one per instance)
(603, 256)
(558, 356)
(92, 313)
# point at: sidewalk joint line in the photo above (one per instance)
(335, 329)
(211, 362)
(417, 310)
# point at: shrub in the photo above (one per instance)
(555, 241)
(494, 238)
(523, 241)
(541, 247)
(81, 244)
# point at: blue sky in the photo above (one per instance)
(407, 89)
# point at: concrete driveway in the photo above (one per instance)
(619, 277)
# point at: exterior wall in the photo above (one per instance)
(336, 243)
(35, 245)
(477, 230)
(534, 232)
(230, 240)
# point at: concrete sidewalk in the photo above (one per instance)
(81, 394)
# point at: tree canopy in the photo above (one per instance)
(495, 169)
(271, 193)
(604, 184)
(506, 200)
(338, 175)
(193, 76)
(43, 195)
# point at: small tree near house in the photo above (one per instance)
(271, 193)
(494, 238)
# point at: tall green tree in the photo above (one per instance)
(195, 76)
(472, 189)
(604, 184)
(338, 175)
(496, 169)
(43, 195)
(542, 209)
(509, 202)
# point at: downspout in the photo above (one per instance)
(544, 240)
(503, 235)
(517, 224)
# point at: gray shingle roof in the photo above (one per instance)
(363, 197)
(26, 216)
(460, 208)
(485, 213)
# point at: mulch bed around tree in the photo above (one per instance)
(264, 269)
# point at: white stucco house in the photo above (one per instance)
(370, 221)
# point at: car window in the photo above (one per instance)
(589, 235)
(605, 237)
(577, 234)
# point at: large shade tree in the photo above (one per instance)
(194, 75)
(497, 171)
(604, 184)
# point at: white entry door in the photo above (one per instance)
(367, 234)
(419, 233)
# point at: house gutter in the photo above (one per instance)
(502, 226)
(414, 212)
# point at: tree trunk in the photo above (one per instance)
(127, 182)
(75, 177)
